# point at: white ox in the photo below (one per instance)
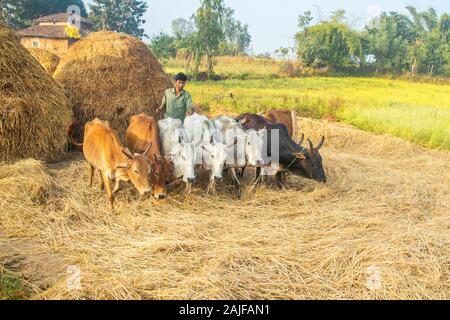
(209, 153)
(248, 146)
(176, 145)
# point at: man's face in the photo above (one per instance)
(180, 85)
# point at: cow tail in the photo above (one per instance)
(70, 132)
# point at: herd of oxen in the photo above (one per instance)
(159, 152)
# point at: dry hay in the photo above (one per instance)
(378, 229)
(112, 76)
(34, 110)
(49, 61)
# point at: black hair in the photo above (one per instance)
(181, 77)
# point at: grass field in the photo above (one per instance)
(233, 68)
(418, 112)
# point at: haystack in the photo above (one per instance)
(49, 61)
(112, 76)
(34, 110)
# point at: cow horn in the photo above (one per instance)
(148, 149)
(243, 121)
(127, 152)
(311, 146)
(322, 140)
(301, 139)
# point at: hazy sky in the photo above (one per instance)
(272, 24)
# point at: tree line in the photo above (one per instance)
(393, 43)
(211, 31)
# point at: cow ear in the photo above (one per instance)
(127, 152)
(122, 166)
(299, 155)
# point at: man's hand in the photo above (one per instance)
(159, 110)
(190, 112)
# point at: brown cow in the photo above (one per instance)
(103, 151)
(144, 130)
(286, 117)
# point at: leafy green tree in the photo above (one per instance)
(237, 39)
(418, 43)
(119, 15)
(164, 46)
(209, 25)
(21, 13)
(329, 44)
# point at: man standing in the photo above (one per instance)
(177, 102)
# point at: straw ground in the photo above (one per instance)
(379, 229)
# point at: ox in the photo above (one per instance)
(247, 149)
(143, 131)
(174, 146)
(210, 154)
(103, 151)
(292, 156)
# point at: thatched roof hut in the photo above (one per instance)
(34, 110)
(112, 76)
(49, 61)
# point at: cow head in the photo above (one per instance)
(254, 145)
(137, 169)
(215, 156)
(183, 158)
(161, 170)
(318, 173)
(310, 162)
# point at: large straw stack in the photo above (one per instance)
(34, 110)
(112, 76)
(49, 61)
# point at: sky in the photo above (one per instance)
(273, 23)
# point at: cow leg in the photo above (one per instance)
(241, 173)
(108, 189)
(102, 184)
(279, 176)
(92, 175)
(258, 178)
(117, 186)
(237, 184)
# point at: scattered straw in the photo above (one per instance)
(378, 229)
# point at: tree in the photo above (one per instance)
(119, 15)
(21, 13)
(418, 42)
(329, 44)
(304, 20)
(163, 46)
(209, 24)
(236, 36)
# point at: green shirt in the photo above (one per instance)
(176, 107)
